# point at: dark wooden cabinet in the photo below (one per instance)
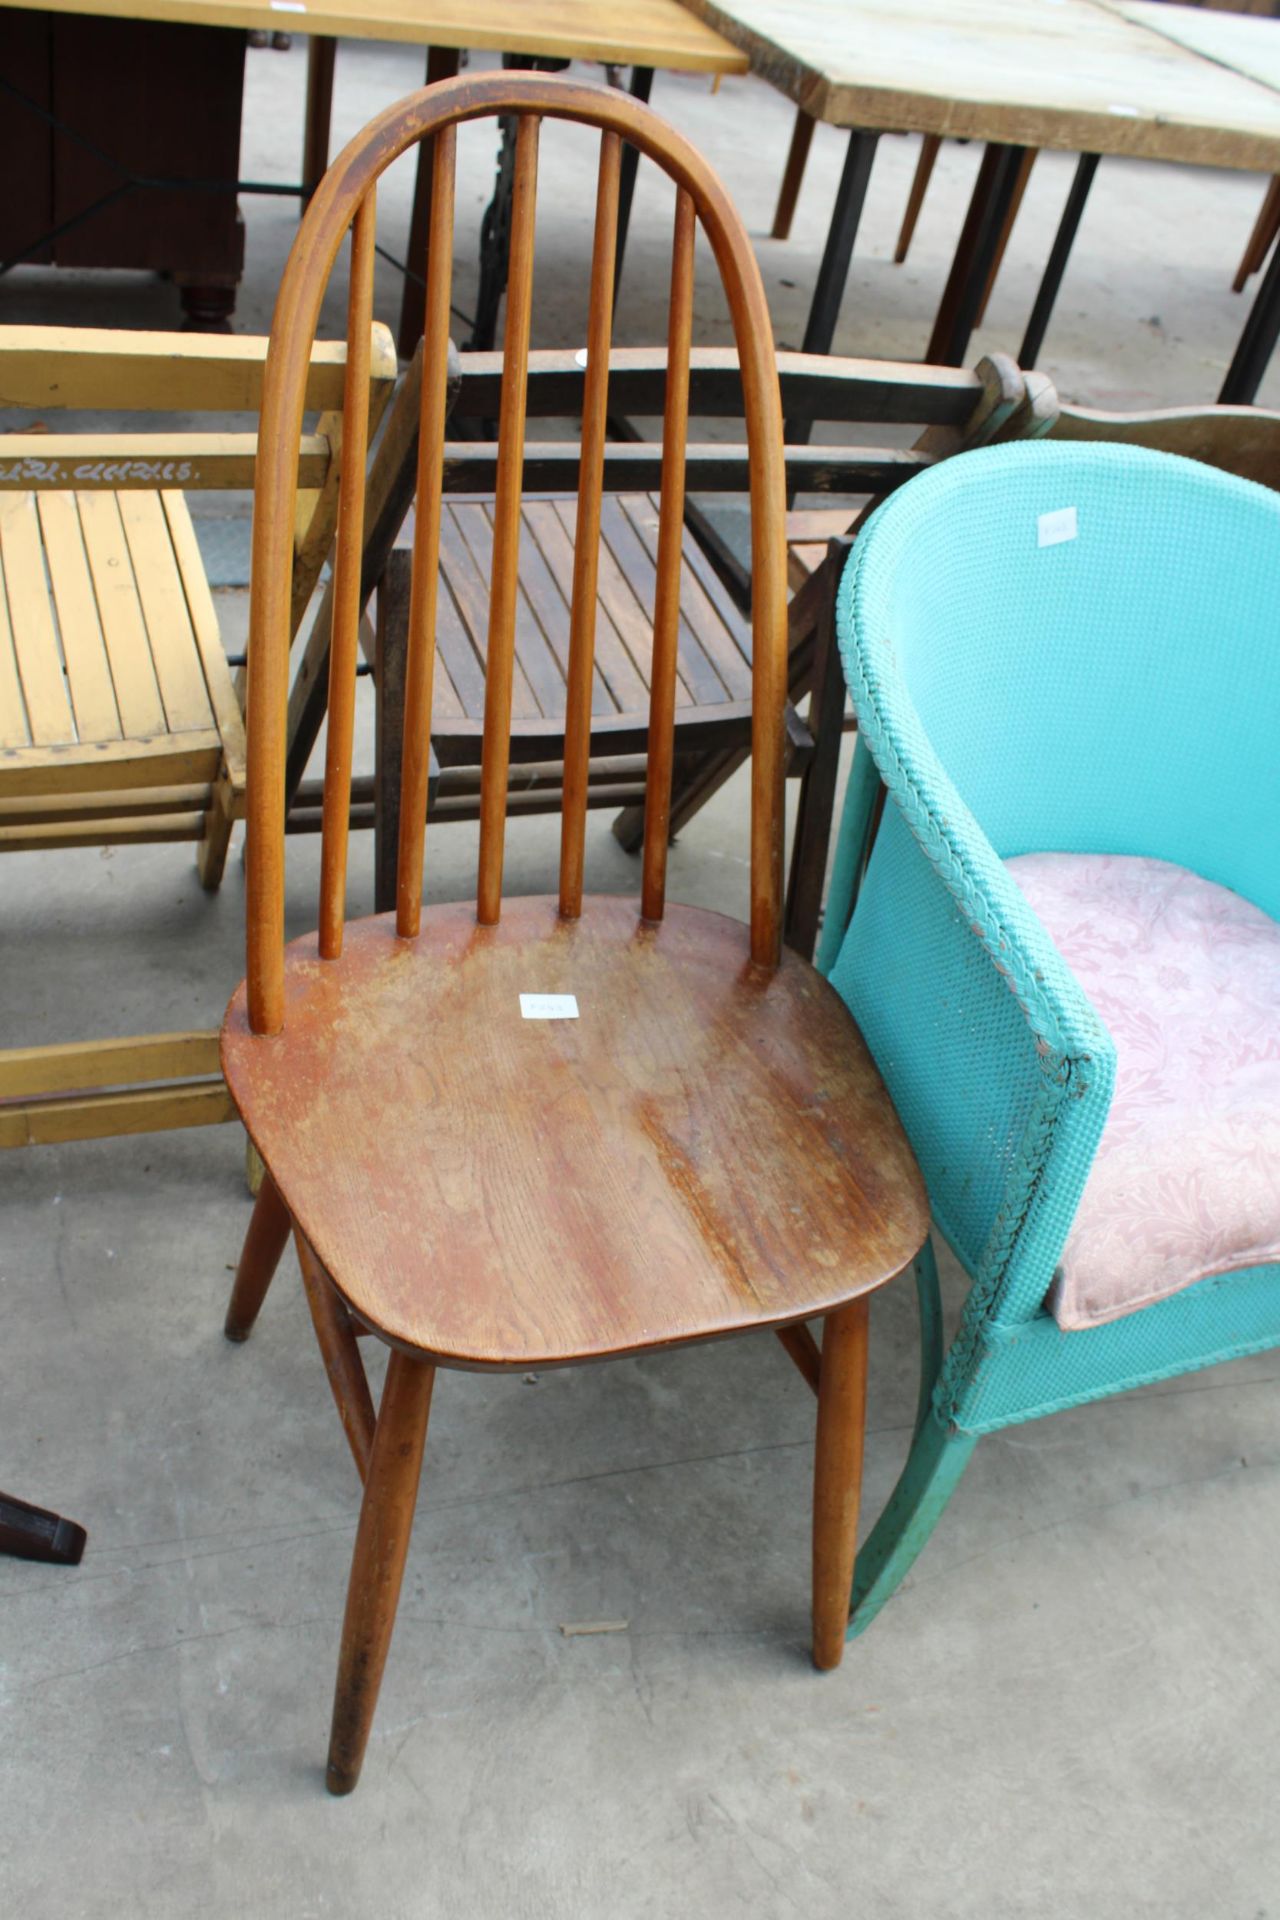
(89, 106)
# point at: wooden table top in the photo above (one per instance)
(1076, 75)
(648, 33)
(1249, 43)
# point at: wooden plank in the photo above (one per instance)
(615, 673)
(817, 386)
(31, 621)
(649, 33)
(124, 630)
(164, 608)
(67, 1066)
(26, 809)
(101, 1116)
(632, 622)
(129, 461)
(711, 666)
(157, 828)
(1074, 76)
(98, 765)
(204, 624)
(536, 661)
(469, 588)
(1247, 43)
(84, 653)
(635, 466)
(14, 731)
(87, 368)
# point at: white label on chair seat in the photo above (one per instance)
(1054, 528)
(548, 1006)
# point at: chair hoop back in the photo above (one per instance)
(345, 200)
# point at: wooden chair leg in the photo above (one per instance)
(1265, 228)
(211, 856)
(929, 149)
(382, 1542)
(837, 1476)
(259, 1258)
(816, 806)
(341, 1356)
(789, 192)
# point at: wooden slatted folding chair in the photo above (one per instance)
(119, 717)
(700, 1146)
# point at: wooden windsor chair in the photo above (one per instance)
(704, 1149)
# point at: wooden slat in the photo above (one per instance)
(84, 654)
(31, 621)
(94, 766)
(632, 622)
(586, 544)
(424, 592)
(128, 462)
(204, 624)
(705, 602)
(86, 368)
(463, 641)
(815, 386)
(101, 1116)
(695, 666)
(615, 671)
(67, 1066)
(666, 611)
(158, 828)
(32, 809)
(14, 731)
(344, 646)
(124, 629)
(164, 608)
(551, 466)
(500, 651)
(534, 658)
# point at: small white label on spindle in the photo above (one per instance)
(1054, 528)
(287, 6)
(548, 1006)
(580, 357)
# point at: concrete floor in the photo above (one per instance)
(1070, 1707)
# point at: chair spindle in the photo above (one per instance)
(346, 583)
(586, 545)
(666, 603)
(426, 539)
(506, 525)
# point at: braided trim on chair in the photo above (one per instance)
(1073, 1051)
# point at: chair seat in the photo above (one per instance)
(706, 1148)
(117, 709)
(1186, 977)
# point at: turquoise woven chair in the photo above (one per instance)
(1022, 690)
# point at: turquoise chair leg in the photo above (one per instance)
(937, 1459)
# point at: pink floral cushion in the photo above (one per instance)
(1186, 976)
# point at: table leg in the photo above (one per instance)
(828, 291)
(640, 89)
(33, 1533)
(442, 64)
(1261, 329)
(789, 191)
(321, 55)
(993, 194)
(1064, 240)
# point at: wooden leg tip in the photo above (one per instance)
(236, 1333)
(340, 1780)
(827, 1655)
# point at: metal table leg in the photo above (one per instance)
(321, 54)
(1261, 330)
(640, 89)
(829, 288)
(1060, 253)
(993, 194)
(442, 64)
